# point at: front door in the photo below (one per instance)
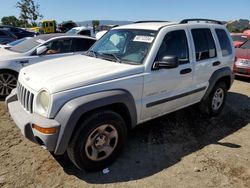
(168, 89)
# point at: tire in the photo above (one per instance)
(215, 102)
(98, 140)
(8, 81)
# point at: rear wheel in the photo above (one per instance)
(98, 141)
(8, 81)
(215, 102)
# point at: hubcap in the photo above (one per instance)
(7, 83)
(101, 142)
(218, 99)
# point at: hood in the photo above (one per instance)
(72, 72)
(8, 55)
(242, 53)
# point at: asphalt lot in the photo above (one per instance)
(182, 149)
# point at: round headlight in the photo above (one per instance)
(43, 100)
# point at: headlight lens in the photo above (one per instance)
(43, 100)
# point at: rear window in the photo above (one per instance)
(204, 44)
(225, 44)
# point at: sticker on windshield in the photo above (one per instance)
(40, 41)
(141, 38)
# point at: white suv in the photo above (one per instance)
(86, 104)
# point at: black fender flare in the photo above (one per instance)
(73, 110)
(218, 74)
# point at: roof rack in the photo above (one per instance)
(201, 19)
(149, 21)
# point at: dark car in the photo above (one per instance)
(20, 33)
(242, 63)
(64, 27)
(6, 37)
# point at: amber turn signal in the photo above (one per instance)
(51, 130)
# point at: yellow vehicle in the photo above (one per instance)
(45, 27)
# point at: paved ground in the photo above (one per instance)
(183, 149)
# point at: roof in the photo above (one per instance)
(146, 25)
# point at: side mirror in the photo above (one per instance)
(40, 50)
(167, 62)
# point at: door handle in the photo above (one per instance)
(185, 71)
(216, 63)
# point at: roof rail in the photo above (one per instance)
(200, 19)
(148, 21)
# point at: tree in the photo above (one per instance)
(10, 20)
(95, 23)
(29, 11)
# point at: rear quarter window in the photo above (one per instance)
(224, 41)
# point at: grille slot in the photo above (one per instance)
(25, 97)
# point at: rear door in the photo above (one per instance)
(206, 57)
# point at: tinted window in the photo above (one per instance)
(174, 44)
(225, 44)
(204, 44)
(2, 34)
(85, 32)
(82, 44)
(58, 46)
(51, 24)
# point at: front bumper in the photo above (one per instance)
(24, 121)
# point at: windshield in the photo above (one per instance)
(26, 45)
(246, 45)
(72, 31)
(239, 38)
(129, 46)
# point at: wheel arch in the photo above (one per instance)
(74, 111)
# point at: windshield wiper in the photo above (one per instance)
(114, 56)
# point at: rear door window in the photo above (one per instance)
(82, 44)
(204, 44)
(224, 41)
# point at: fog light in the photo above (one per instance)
(51, 130)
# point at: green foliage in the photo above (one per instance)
(238, 26)
(29, 11)
(95, 23)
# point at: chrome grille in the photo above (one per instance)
(25, 97)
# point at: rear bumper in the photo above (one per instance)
(24, 121)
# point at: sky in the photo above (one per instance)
(134, 10)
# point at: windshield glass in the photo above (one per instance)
(124, 45)
(26, 45)
(246, 45)
(239, 38)
(72, 31)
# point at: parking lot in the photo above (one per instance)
(182, 149)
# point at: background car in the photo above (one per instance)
(9, 45)
(239, 39)
(35, 50)
(66, 26)
(6, 37)
(18, 32)
(242, 63)
(87, 31)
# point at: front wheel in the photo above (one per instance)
(98, 141)
(8, 81)
(215, 102)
